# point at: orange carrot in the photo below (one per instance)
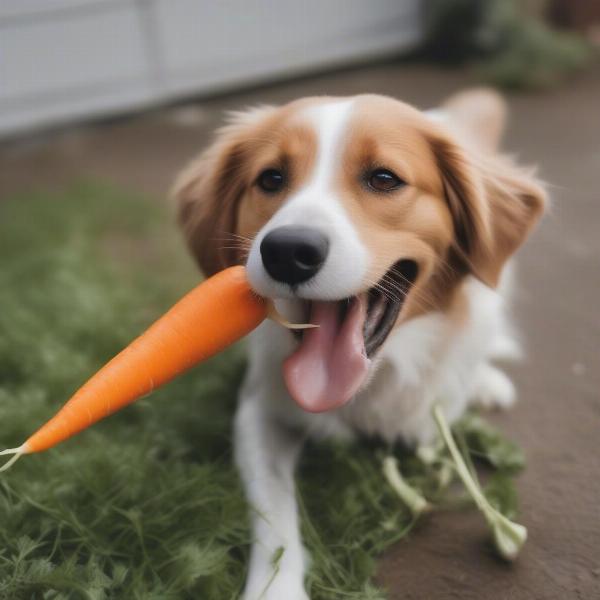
(214, 315)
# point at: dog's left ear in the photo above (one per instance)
(494, 206)
(208, 191)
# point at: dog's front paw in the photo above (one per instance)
(284, 586)
(493, 388)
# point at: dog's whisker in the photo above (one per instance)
(233, 235)
(417, 294)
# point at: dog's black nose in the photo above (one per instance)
(293, 254)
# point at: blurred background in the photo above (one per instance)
(101, 102)
(67, 60)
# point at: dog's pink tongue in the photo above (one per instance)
(330, 364)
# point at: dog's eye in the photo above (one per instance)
(270, 180)
(382, 180)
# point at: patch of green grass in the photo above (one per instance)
(147, 504)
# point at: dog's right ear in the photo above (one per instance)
(208, 190)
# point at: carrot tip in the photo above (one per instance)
(278, 318)
(17, 452)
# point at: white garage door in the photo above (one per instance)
(62, 60)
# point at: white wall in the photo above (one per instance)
(62, 60)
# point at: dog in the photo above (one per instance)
(389, 228)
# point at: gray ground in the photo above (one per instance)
(558, 418)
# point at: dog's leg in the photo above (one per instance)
(266, 454)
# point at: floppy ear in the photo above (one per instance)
(207, 194)
(494, 205)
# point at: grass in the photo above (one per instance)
(147, 504)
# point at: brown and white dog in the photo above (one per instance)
(391, 229)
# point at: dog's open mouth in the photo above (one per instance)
(385, 302)
(332, 360)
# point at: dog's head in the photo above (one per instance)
(362, 212)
